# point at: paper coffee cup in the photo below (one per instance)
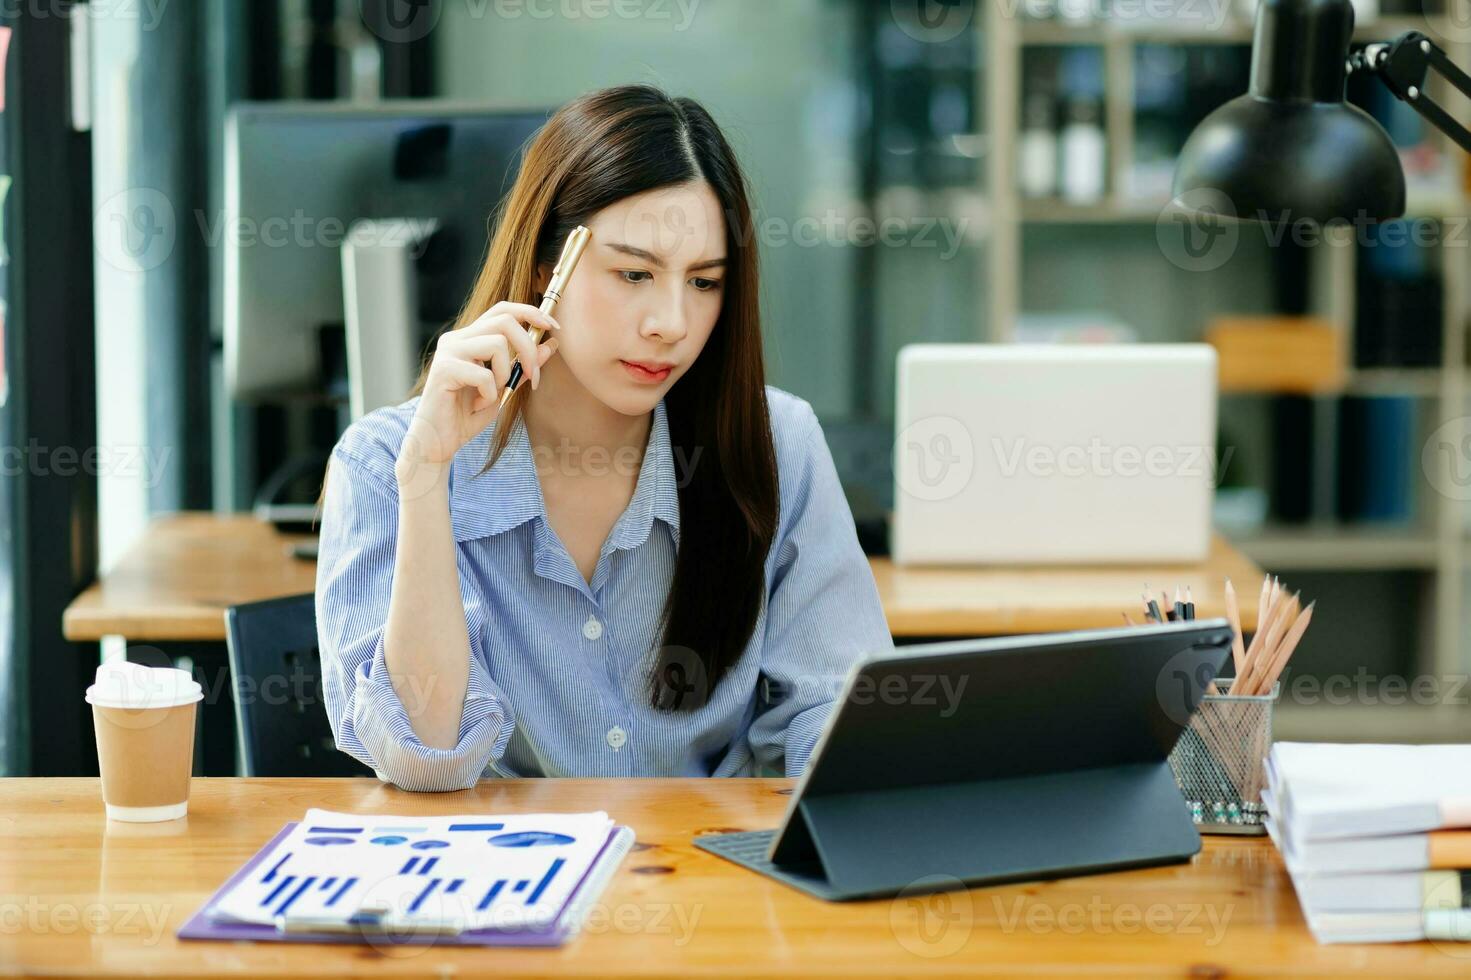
(144, 719)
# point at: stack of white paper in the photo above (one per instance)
(507, 873)
(1370, 835)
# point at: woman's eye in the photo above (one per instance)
(705, 285)
(629, 274)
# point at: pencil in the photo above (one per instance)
(1282, 618)
(1179, 607)
(1280, 625)
(1259, 638)
(1189, 604)
(1151, 608)
(1263, 604)
(1233, 614)
(1289, 644)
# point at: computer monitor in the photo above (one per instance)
(299, 175)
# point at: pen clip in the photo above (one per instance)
(368, 922)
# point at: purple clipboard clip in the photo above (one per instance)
(368, 928)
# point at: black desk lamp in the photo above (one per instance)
(1291, 146)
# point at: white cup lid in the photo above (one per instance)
(129, 685)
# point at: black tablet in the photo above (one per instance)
(993, 760)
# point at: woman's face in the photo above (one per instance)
(645, 296)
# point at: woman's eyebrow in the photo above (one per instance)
(648, 256)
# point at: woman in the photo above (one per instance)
(645, 565)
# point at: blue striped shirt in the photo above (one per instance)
(558, 665)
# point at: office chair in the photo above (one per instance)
(276, 672)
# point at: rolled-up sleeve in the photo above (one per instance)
(359, 531)
(823, 612)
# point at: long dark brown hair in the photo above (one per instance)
(596, 150)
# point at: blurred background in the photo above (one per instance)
(180, 177)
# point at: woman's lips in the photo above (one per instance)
(640, 373)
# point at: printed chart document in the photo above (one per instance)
(511, 873)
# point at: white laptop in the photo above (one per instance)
(1039, 454)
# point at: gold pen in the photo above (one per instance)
(577, 243)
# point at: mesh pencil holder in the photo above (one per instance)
(1218, 762)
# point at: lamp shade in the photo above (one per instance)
(1292, 147)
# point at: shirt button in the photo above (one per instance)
(592, 629)
(616, 737)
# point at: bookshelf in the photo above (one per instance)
(1429, 558)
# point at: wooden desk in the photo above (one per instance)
(78, 895)
(175, 584)
(177, 581)
(988, 601)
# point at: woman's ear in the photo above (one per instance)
(542, 280)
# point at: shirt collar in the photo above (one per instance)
(509, 493)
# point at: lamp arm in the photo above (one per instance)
(1403, 65)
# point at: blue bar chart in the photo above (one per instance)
(500, 873)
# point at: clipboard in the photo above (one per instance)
(370, 929)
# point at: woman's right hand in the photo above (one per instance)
(470, 368)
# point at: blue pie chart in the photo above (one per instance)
(530, 838)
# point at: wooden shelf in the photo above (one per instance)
(1233, 31)
(1050, 211)
(1408, 722)
(1055, 34)
(1432, 545)
(1408, 382)
(1120, 210)
(1340, 548)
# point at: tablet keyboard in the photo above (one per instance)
(749, 848)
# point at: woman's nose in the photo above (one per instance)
(668, 321)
